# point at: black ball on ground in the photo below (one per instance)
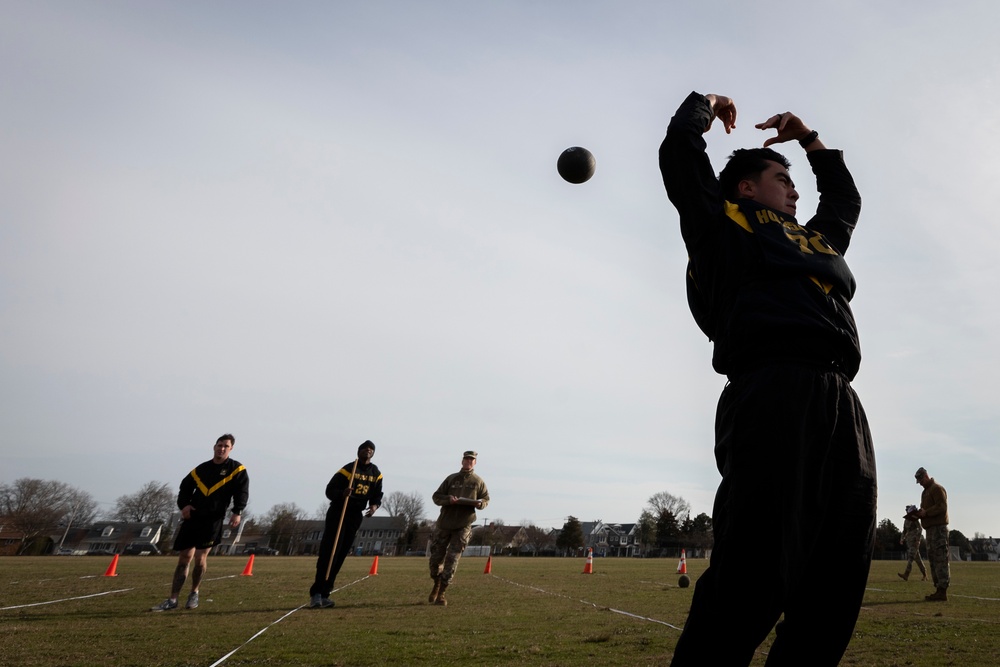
(684, 582)
(576, 165)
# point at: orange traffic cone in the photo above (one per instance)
(248, 570)
(682, 567)
(489, 565)
(589, 567)
(112, 569)
(374, 571)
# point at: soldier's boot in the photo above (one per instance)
(432, 598)
(940, 595)
(905, 576)
(440, 596)
(924, 575)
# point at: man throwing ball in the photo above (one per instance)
(792, 441)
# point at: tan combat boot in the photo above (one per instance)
(432, 598)
(904, 577)
(940, 595)
(440, 597)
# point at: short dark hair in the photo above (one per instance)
(226, 436)
(747, 163)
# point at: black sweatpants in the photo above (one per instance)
(352, 521)
(798, 482)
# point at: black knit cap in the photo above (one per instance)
(366, 443)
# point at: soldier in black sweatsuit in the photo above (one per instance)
(365, 491)
(792, 440)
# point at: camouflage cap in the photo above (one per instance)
(920, 473)
(470, 455)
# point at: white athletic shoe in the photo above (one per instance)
(166, 605)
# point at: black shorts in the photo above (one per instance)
(198, 534)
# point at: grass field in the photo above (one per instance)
(529, 611)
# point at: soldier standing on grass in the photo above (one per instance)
(204, 497)
(459, 496)
(355, 486)
(911, 538)
(933, 514)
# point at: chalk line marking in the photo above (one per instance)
(82, 597)
(592, 604)
(266, 627)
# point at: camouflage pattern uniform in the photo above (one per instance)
(934, 502)
(454, 524)
(911, 538)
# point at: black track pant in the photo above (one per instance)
(352, 521)
(798, 482)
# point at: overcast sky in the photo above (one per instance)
(316, 223)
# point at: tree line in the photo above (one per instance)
(37, 509)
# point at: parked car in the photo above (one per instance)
(262, 551)
(141, 549)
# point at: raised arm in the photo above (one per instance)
(790, 128)
(687, 172)
(839, 202)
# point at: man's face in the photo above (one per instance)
(468, 463)
(922, 479)
(222, 449)
(366, 452)
(773, 188)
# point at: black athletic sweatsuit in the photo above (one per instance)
(367, 493)
(792, 440)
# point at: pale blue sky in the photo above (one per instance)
(312, 224)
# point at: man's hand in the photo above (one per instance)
(234, 521)
(790, 128)
(186, 512)
(371, 510)
(724, 109)
(347, 492)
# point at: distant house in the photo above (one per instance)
(378, 535)
(113, 537)
(231, 542)
(10, 540)
(612, 539)
(985, 548)
(502, 540)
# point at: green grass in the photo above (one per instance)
(528, 612)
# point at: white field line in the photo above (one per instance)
(279, 620)
(82, 597)
(951, 595)
(592, 604)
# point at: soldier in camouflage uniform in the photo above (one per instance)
(933, 515)
(459, 496)
(911, 538)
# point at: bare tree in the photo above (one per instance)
(538, 539)
(410, 506)
(38, 507)
(663, 501)
(281, 523)
(155, 501)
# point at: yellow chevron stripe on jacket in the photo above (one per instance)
(734, 213)
(205, 491)
(347, 473)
